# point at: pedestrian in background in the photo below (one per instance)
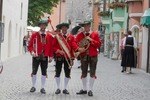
(25, 40)
(89, 57)
(122, 50)
(40, 47)
(129, 57)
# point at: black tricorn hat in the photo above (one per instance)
(85, 23)
(43, 21)
(62, 24)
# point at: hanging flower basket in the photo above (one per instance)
(97, 3)
(111, 5)
(104, 13)
(120, 4)
(116, 5)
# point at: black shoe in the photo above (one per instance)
(79, 66)
(65, 91)
(57, 91)
(123, 71)
(43, 91)
(82, 92)
(90, 93)
(33, 89)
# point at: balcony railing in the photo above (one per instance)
(104, 13)
(133, 0)
(116, 5)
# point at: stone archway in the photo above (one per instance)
(135, 32)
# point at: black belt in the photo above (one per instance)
(60, 58)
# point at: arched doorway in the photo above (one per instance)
(135, 32)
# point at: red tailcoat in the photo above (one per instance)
(72, 45)
(94, 44)
(47, 46)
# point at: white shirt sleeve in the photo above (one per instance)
(124, 41)
(135, 43)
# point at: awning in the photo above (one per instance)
(145, 19)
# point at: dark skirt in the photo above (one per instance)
(128, 59)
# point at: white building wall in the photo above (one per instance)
(144, 48)
(14, 27)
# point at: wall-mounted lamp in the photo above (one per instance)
(90, 3)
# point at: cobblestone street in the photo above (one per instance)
(111, 84)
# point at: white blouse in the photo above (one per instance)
(135, 43)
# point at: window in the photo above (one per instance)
(21, 11)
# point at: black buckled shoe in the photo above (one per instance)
(123, 71)
(90, 93)
(33, 89)
(43, 91)
(57, 91)
(82, 92)
(65, 91)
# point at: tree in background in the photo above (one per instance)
(37, 8)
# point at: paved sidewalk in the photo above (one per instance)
(111, 84)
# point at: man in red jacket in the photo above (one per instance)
(64, 47)
(89, 57)
(40, 47)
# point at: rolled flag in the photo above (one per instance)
(49, 20)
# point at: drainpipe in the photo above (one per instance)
(104, 5)
(1, 6)
(128, 18)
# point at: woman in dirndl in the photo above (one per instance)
(129, 55)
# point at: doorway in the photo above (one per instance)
(135, 32)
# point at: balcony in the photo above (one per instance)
(104, 13)
(116, 5)
(135, 14)
(118, 19)
(133, 0)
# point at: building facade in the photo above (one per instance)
(135, 10)
(114, 18)
(120, 16)
(14, 17)
(79, 10)
(145, 61)
(58, 14)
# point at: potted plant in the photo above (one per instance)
(111, 5)
(96, 3)
(116, 4)
(104, 13)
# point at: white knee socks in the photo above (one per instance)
(91, 83)
(33, 80)
(43, 79)
(66, 80)
(58, 82)
(84, 82)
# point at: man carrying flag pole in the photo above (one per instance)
(64, 47)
